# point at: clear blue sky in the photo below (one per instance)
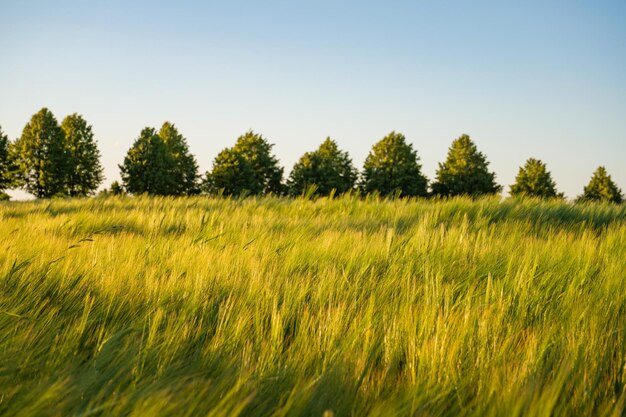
(544, 79)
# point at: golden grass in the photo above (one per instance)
(202, 306)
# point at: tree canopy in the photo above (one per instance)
(327, 169)
(249, 167)
(392, 167)
(116, 188)
(5, 165)
(465, 172)
(148, 165)
(185, 168)
(51, 159)
(4, 161)
(534, 180)
(231, 175)
(85, 172)
(40, 156)
(160, 163)
(602, 188)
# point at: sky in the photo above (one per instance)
(543, 79)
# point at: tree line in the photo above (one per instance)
(51, 159)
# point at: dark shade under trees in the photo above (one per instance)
(327, 170)
(85, 172)
(465, 172)
(249, 167)
(534, 180)
(392, 168)
(602, 188)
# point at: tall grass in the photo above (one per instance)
(276, 307)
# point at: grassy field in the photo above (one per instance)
(277, 307)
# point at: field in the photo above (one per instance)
(278, 307)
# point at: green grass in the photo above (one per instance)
(275, 307)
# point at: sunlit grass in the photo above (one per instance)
(199, 306)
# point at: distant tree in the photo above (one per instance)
(534, 180)
(327, 168)
(392, 167)
(160, 164)
(85, 172)
(232, 174)
(602, 188)
(116, 188)
(148, 166)
(185, 169)
(247, 168)
(465, 172)
(5, 164)
(268, 174)
(40, 156)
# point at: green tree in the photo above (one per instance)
(327, 168)
(465, 172)
(232, 174)
(534, 180)
(268, 174)
(5, 165)
(392, 167)
(40, 156)
(185, 170)
(602, 188)
(148, 166)
(116, 188)
(160, 164)
(85, 172)
(247, 168)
